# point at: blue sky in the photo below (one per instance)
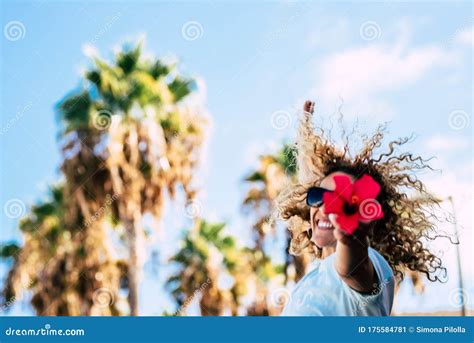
(406, 63)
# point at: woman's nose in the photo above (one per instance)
(318, 210)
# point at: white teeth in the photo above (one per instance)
(324, 224)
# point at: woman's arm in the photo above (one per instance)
(352, 258)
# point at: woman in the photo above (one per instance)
(354, 213)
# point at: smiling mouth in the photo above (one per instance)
(323, 224)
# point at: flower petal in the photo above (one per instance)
(348, 223)
(366, 188)
(344, 186)
(333, 203)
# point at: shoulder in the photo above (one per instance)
(381, 266)
(380, 300)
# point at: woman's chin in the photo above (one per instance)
(324, 239)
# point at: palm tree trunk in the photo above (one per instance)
(133, 273)
(128, 187)
(134, 264)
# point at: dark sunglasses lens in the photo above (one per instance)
(314, 197)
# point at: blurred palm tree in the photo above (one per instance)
(206, 254)
(273, 174)
(130, 133)
(260, 273)
(67, 266)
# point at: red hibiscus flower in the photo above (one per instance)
(353, 202)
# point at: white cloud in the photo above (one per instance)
(90, 50)
(464, 35)
(445, 143)
(360, 75)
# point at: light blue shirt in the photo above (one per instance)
(322, 292)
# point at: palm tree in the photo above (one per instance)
(273, 174)
(66, 265)
(130, 133)
(260, 273)
(206, 253)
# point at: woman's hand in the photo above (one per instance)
(345, 237)
(352, 257)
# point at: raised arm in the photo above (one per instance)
(352, 258)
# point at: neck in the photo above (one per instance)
(328, 251)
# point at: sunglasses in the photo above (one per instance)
(314, 196)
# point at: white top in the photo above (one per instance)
(322, 292)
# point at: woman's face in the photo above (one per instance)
(323, 231)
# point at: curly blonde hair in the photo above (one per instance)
(409, 209)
